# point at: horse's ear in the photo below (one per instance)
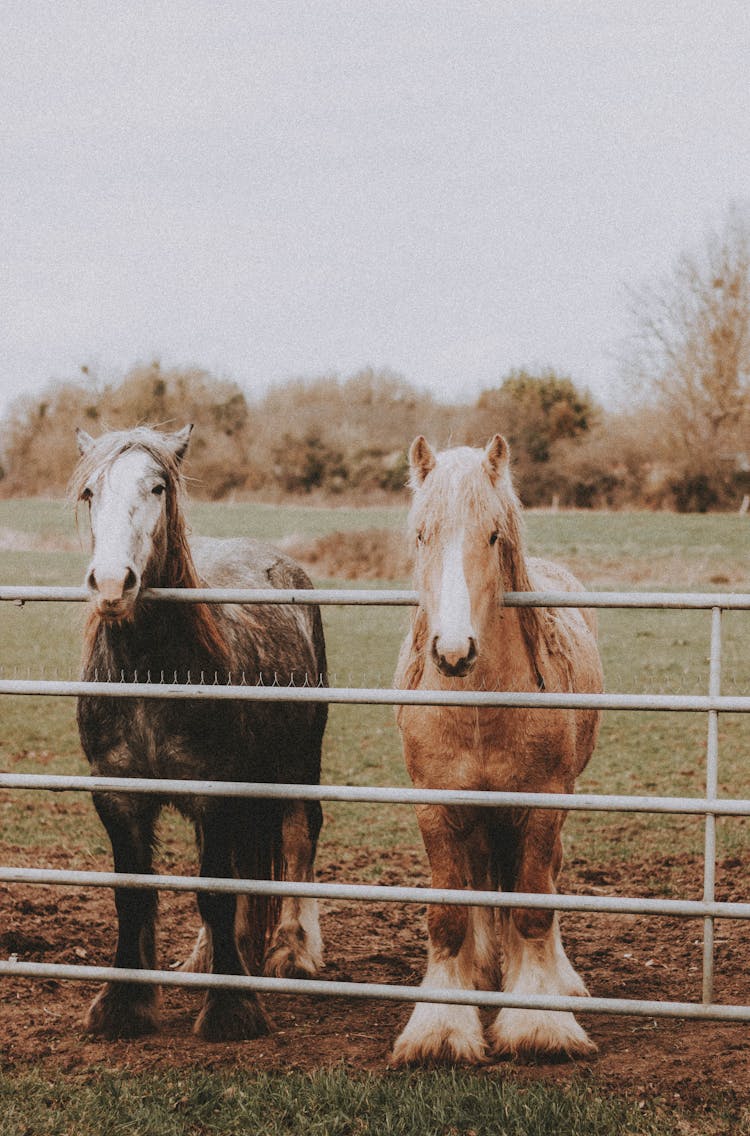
(84, 441)
(180, 441)
(496, 458)
(421, 460)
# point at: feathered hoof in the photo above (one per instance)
(124, 1010)
(228, 1016)
(199, 961)
(440, 1035)
(548, 1035)
(291, 960)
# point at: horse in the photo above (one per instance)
(133, 485)
(466, 522)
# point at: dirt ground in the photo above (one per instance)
(620, 956)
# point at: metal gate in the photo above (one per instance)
(710, 806)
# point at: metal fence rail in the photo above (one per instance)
(376, 794)
(725, 1012)
(613, 905)
(377, 696)
(391, 597)
(710, 806)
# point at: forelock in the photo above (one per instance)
(459, 488)
(110, 446)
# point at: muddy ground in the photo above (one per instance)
(619, 956)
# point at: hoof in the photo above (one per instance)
(441, 1035)
(124, 1010)
(230, 1016)
(296, 949)
(287, 959)
(548, 1035)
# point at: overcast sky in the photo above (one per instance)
(276, 188)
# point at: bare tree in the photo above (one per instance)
(690, 348)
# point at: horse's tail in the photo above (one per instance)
(259, 856)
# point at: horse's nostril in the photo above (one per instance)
(435, 653)
(131, 581)
(458, 662)
(91, 581)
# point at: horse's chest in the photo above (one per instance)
(454, 748)
(152, 739)
(477, 749)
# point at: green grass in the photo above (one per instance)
(48, 518)
(38, 515)
(331, 1103)
(715, 539)
(715, 543)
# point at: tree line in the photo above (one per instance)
(681, 438)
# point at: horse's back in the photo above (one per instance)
(575, 627)
(547, 575)
(244, 562)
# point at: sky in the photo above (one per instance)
(271, 189)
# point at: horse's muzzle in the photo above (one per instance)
(113, 596)
(455, 664)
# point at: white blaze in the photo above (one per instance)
(113, 531)
(454, 627)
(124, 515)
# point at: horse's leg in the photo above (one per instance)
(535, 961)
(487, 972)
(129, 1009)
(199, 959)
(226, 1015)
(296, 949)
(435, 1031)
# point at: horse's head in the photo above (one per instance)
(131, 481)
(463, 516)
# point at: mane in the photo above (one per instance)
(459, 476)
(178, 569)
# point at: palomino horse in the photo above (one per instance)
(132, 483)
(466, 522)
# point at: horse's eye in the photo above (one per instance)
(86, 494)
(493, 537)
(420, 536)
(158, 490)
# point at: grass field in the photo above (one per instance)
(638, 753)
(658, 652)
(333, 1103)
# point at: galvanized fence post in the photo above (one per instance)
(712, 788)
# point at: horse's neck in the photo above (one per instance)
(505, 661)
(154, 638)
(173, 568)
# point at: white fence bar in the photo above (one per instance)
(379, 597)
(381, 991)
(377, 696)
(591, 802)
(377, 893)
